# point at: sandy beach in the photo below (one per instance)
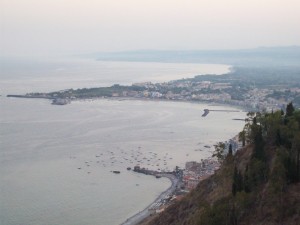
(140, 216)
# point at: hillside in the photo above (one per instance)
(258, 185)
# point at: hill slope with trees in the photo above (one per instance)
(260, 184)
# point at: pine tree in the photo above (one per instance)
(230, 150)
(258, 144)
(242, 137)
(237, 183)
(289, 109)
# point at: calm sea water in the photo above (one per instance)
(27, 76)
(56, 161)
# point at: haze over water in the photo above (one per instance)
(56, 162)
(52, 75)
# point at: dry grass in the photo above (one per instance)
(265, 207)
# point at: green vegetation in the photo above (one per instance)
(219, 152)
(255, 88)
(86, 93)
(260, 184)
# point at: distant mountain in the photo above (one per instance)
(269, 56)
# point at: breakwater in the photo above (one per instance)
(28, 96)
(55, 101)
(206, 111)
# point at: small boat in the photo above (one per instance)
(116, 172)
(158, 176)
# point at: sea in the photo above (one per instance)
(56, 162)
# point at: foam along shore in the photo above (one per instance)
(140, 216)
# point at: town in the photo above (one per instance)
(253, 90)
(185, 179)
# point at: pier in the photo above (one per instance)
(206, 111)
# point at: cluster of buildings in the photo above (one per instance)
(230, 91)
(254, 98)
(185, 180)
(196, 171)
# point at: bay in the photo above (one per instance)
(20, 77)
(56, 162)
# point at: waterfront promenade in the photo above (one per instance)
(140, 216)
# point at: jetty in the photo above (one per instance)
(206, 111)
(55, 100)
(29, 96)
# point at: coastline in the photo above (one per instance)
(141, 202)
(145, 213)
(212, 103)
(140, 217)
(145, 216)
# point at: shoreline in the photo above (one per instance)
(238, 107)
(212, 103)
(145, 213)
(144, 216)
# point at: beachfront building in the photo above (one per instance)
(190, 182)
(196, 171)
(192, 166)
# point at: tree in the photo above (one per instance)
(297, 117)
(278, 140)
(258, 144)
(237, 183)
(270, 124)
(230, 150)
(250, 115)
(289, 109)
(296, 156)
(242, 137)
(254, 120)
(219, 151)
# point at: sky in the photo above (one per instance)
(49, 27)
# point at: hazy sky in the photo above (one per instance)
(44, 27)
